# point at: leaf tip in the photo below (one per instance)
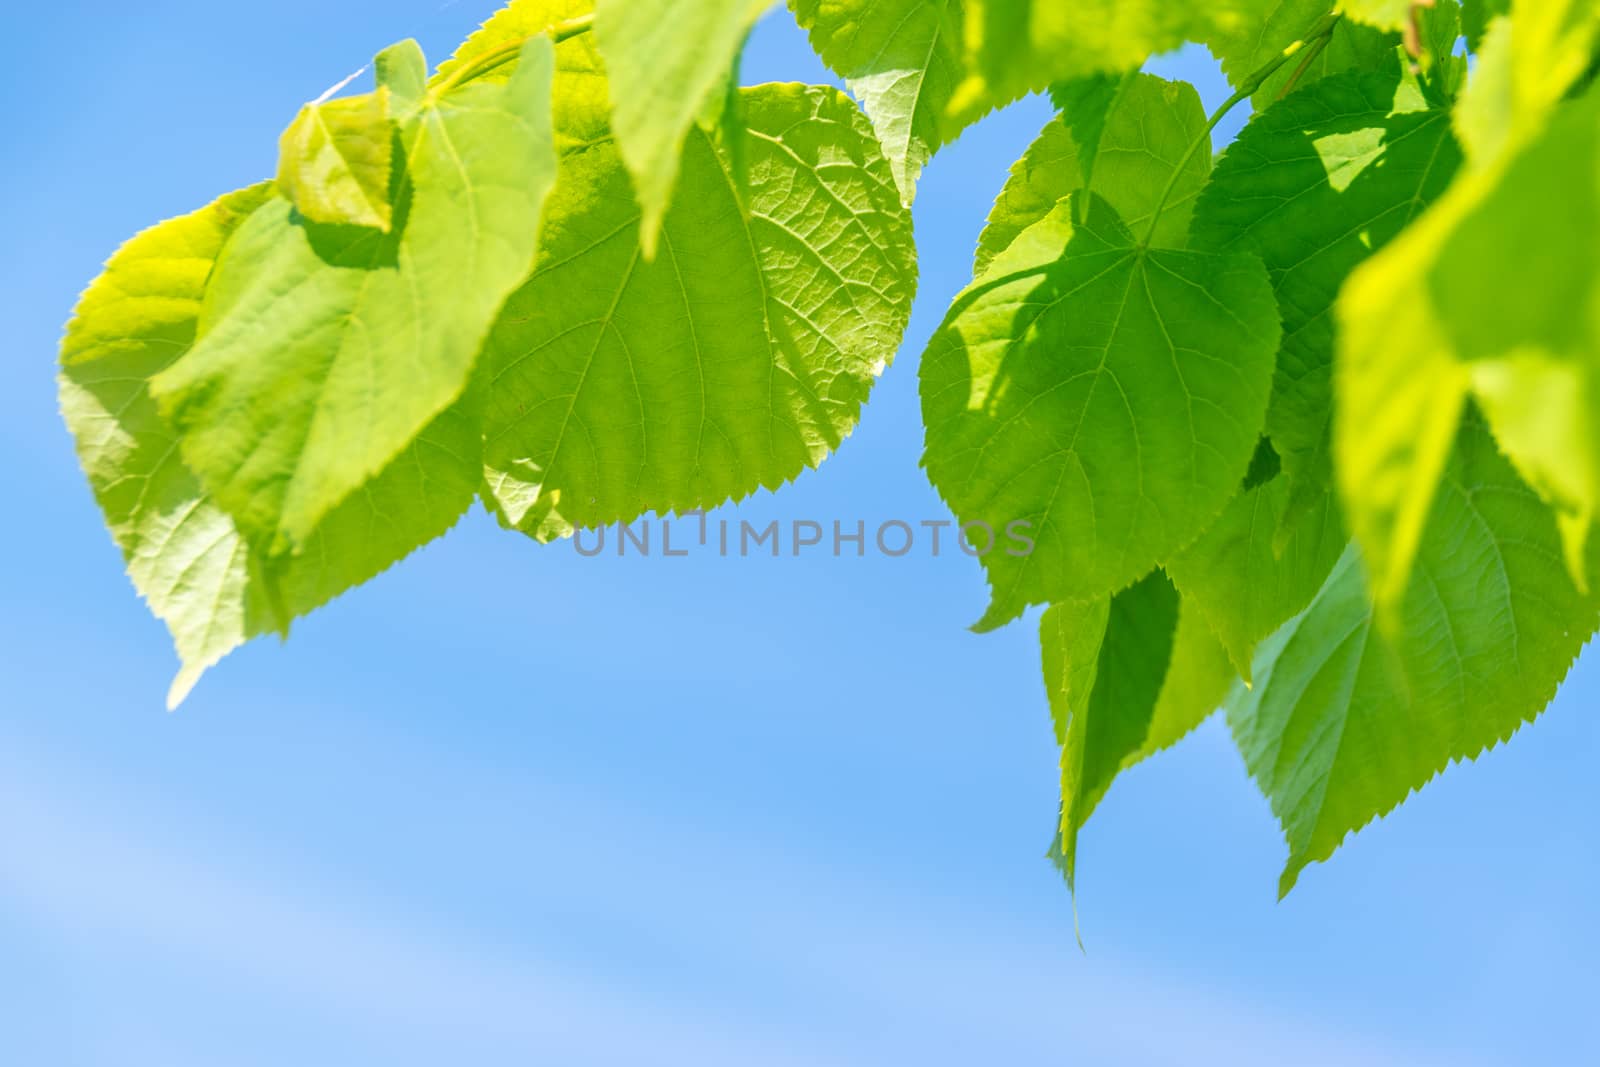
(1289, 878)
(649, 234)
(188, 676)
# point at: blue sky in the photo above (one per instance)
(507, 805)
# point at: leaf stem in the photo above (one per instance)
(1317, 48)
(1318, 33)
(499, 56)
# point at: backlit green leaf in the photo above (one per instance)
(325, 350)
(1518, 285)
(1345, 720)
(1110, 395)
(1104, 662)
(1476, 15)
(1198, 679)
(1127, 676)
(1544, 413)
(1021, 46)
(736, 359)
(507, 28)
(1169, 388)
(1443, 72)
(1248, 44)
(184, 554)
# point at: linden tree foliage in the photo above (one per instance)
(1308, 430)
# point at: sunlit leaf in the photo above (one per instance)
(1127, 676)
(324, 350)
(736, 359)
(184, 553)
(1107, 394)
(1346, 718)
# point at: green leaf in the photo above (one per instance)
(1110, 395)
(1314, 186)
(1521, 268)
(1104, 662)
(1483, 115)
(904, 60)
(184, 554)
(279, 396)
(722, 120)
(736, 359)
(1128, 146)
(1346, 720)
(402, 71)
(1244, 580)
(335, 160)
(664, 60)
(325, 350)
(1127, 676)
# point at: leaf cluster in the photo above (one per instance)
(1306, 430)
